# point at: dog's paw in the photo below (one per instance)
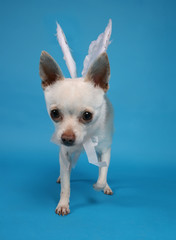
(59, 180)
(98, 186)
(107, 190)
(62, 210)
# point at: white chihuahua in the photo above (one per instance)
(80, 110)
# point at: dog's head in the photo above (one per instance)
(76, 106)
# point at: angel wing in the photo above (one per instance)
(66, 51)
(97, 47)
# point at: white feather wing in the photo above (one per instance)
(97, 47)
(66, 51)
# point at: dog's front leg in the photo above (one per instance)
(65, 169)
(102, 178)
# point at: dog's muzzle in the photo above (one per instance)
(68, 138)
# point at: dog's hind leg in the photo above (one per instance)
(101, 183)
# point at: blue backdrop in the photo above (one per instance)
(142, 173)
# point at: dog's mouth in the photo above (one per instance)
(68, 144)
(71, 143)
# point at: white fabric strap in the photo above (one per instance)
(89, 147)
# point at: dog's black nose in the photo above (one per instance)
(68, 138)
(67, 141)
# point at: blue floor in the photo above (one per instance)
(142, 207)
(142, 172)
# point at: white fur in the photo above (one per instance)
(72, 96)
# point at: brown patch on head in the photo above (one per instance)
(99, 72)
(98, 81)
(49, 70)
(51, 78)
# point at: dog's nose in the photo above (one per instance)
(68, 138)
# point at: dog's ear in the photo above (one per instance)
(99, 72)
(49, 70)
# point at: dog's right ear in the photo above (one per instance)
(49, 70)
(99, 72)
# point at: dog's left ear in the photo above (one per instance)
(99, 72)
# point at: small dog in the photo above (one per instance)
(80, 110)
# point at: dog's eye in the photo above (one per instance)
(56, 115)
(87, 116)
